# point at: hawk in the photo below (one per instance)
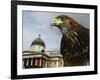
(75, 41)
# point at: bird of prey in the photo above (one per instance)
(75, 41)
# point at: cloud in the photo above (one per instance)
(35, 23)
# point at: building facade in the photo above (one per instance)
(38, 57)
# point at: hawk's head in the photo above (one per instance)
(64, 21)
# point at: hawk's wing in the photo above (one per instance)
(75, 47)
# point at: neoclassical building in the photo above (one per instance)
(38, 57)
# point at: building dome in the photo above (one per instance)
(38, 41)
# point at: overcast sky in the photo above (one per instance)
(35, 23)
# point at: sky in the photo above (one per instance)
(35, 23)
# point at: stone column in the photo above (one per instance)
(40, 62)
(31, 61)
(27, 62)
(23, 62)
(35, 61)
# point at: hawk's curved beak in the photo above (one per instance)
(56, 22)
